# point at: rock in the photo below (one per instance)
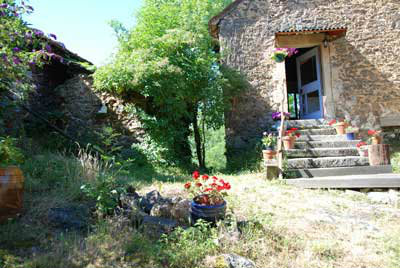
(181, 211)
(234, 261)
(151, 198)
(68, 218)
(162, 209)
(156, 226)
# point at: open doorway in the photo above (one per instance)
(304, 86)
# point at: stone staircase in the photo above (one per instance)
(319, 152)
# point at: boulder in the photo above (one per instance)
(156, 226)
(234, 261)
(181, 211)
(69, 218)
(147, 202)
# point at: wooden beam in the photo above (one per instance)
(299, 41)
(390, 121)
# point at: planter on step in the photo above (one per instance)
(11, 192)
(340, 128)
(350, 136)
(288, 142)
(269, 154)
(376, 140)
(379, 154)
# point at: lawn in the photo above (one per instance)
(281, 226)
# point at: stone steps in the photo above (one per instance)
(339, 171)
(309, 123)
(317, 131)
(350, 182)
(322, 138)
(325, 144)
(321, 152)
(327, 162)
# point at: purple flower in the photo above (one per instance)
(16, 49)
(4, 57)
(32, 63)
(3, 5)
(53, 36)
(16, 60)
(30, 8)
(38, 33)
(61, 44)
(48, 48)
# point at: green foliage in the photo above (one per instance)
(168, 70)
(10, 154)
(187, 248)
(106, 191)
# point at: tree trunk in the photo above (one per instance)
(379, 154)
(197, 139)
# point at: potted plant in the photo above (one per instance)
(340, 126)
(208, 197)
(290, 138)
(269, 142)
(351, 133)
(375, 136)
(11, 178)
(362, 147)
(279, 54)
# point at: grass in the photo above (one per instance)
(280, 226)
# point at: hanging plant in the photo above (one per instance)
(280, 54)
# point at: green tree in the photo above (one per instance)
(167, 68)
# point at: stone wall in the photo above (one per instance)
(365, 69)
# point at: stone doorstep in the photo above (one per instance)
(348, 182)
(327, 162)
(325, 144)
(309, 123)
(321, 152)
(322, 138)
(340, 171)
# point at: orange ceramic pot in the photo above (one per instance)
(288, 142)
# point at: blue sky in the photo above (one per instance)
(82, 24)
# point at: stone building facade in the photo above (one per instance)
(357, 43)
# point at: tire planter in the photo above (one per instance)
(350, 136)
(209, 213)
(11, 192)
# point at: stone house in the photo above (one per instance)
(347, 65)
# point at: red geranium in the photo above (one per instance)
(361, 143)
(210, 192)
(332, 122)
(292, 132)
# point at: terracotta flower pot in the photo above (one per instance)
(341, 128)
(11, 192)
(288, 142)
(268, 154)
(376, 140)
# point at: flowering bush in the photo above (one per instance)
(374, 133)
(277, 115)
(206, 190)
(269, 140)
(293, 132)
(360, 144)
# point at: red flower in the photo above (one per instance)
(196, 175)
(214, 178)
(208, 189)
(361, 143)
(187, 185)
(199, 184)
(372, 132)
(333, 121)
(220, 188)
(294, 129)
(205, 177)
(227, 186)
